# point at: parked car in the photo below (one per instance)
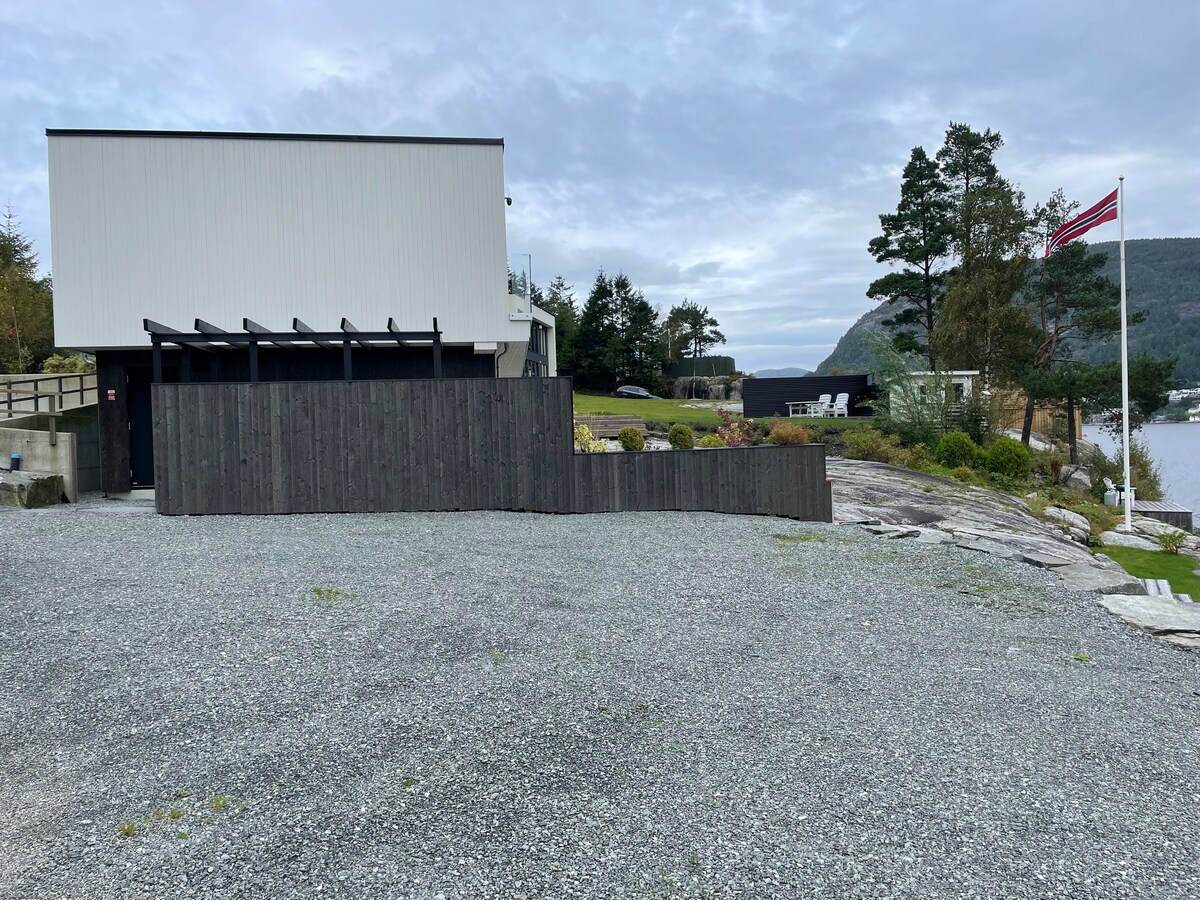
(636, 393)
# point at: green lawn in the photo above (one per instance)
(669, 411)
(1178, 570)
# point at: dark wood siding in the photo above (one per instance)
(448, 444)
(770, 396)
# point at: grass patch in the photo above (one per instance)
(1177, 570)
(800, 537)
(669, 411)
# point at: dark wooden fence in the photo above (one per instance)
(449, 444)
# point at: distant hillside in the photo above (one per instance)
(1163, 276)
(780, 373)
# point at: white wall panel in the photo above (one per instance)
(172, 228)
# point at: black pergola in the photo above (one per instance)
(211, 339)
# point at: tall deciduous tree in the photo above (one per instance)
(26, 306)
(917, 236)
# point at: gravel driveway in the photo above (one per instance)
(636, 705)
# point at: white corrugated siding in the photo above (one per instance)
(175, 228)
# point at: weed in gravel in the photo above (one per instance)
(127, 829)
(1080, 656)
(174, 813)
(408, 783)
(181, 835)
(584, 652)
(327, 597)
(498, 657)
(219, 803)
(800, 537)
(180, 795)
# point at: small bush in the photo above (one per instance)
(55, 364)
(1171, 541)
(681, 437)
(788, 434)
(710, 442)
(585, 443)
(956, 449)
(1009, 458)
(867, 443)
(915, 457)
(736, 431)
(1144, 471)
(963, 473)
(631, 439)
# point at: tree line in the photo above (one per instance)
(617, 337)
(970, 291)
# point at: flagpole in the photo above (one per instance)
(1124, 360)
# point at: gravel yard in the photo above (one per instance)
(638, 705)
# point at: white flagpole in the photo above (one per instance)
(1124, 361)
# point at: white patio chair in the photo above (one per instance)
(841, 406)
(825, 405)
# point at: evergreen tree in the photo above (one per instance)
(918, 237)
(559, 301)
(696, 331)
(638, 349)
(26, 305)
(594, 363)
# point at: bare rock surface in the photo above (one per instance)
(1174, 621)
(1118, 539)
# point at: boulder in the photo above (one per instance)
(1076, 478)
(716, 389)
(31, 489)
(1118, 539)
(735, 390)
(1072, 525)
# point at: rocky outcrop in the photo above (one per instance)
(31, 489)
(1173, 621)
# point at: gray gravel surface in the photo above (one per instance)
(638, 705)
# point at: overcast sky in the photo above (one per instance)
(737, 154)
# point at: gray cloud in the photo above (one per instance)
(737, 154)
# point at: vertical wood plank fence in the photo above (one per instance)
(442, 444)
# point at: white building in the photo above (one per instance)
(274, 233)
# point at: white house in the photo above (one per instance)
(280, 234)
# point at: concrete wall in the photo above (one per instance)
(39, 455)
(79, 427)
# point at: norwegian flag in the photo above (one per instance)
(1104, 211)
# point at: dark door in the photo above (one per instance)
(141, 427)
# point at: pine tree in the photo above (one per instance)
(594, 362)
(917, 236)
(559, 301)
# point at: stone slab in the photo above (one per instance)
(31, 489)
(1160, 616)
(1044, 560)
(1082, 577)
(991, 547)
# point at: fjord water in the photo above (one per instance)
(1175, 447)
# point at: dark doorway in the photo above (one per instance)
(141, 426)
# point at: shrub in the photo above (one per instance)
(1009, 458)
(914, 457)
(788, 433)
(585, 443)
(711, 442)
(66, 365)
(681, 437)
(963, 473)
(956, 449)
(867, 443)
(631, 439)
(1171, 541)
(1144, 473)
(736, 431)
